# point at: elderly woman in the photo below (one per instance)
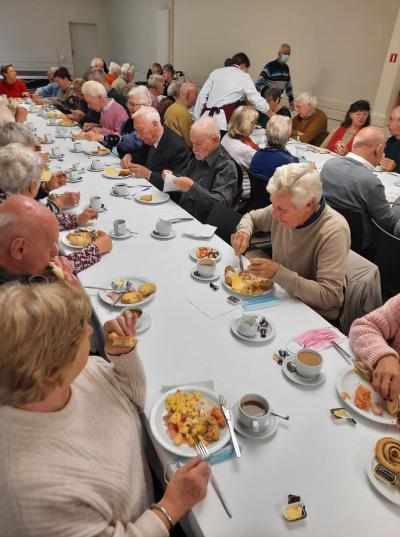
(357, 116)
(273, 98)
(155, 69)
(266, 161)
(11, 86)
(20, 173)
(114, 70)
(156, 88)
(310, 124)
(168, 74)
(67, 98)
(64, 472)
(310, 241)
(124, 83)
(112, 114)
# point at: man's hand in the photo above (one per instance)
(76, 115)
(21, 114)
(140, 171)
(124, 325)
(68, 200)
(58, 179)
(387, 164)
(263, 268)
(89, 126)
(126, 161)
(53, 99)
(183, 183)
(86, 215)
(165, 173)
(104, 244)
(386, 377)
(94, 136)
(240, 242)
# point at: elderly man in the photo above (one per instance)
(177, 116)
(114, 70)
(349, 183)
(124, 83)
(112, 114)
(310, 241)
(166, 150)
(211, 176)
(50, 90)
(391, 158)
(310, 125)
(156, 88)
(276, 74)
(96, 63)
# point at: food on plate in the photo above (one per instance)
(57, 271)
(345, 396)
(362, 397)
(122, 341)
(147, 288)
(100, 151)
(83, 238)
(78, 135)
(387, 452)
(393, 407)
(245, 283)
(377, 409)
(146, 197)
(191, 419)
(55, 114)
(293, 512)
(124, 172)
(131, 297)
(204, 251)
(46, 175)
(67, 123)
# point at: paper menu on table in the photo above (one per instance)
(169, 185)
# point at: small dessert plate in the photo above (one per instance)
(157, 235)
(200, 278)
(257, 337)
(269, 430)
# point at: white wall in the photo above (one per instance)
(32, 31)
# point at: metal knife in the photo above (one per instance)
(363, 370)
(241, 263)
(228, 416)
(176, 220)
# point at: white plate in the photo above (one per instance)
(215, 276)
(298, 379)
(160, 432)
(158, 197)
(115, 175)
(89, 152)
(195, 258)
(156, 235)
(269, 430)
(143, 323)
(257, 338)
(112, 193)
(347, 381)
(390, 492)
(90, 169)
(79, 180)
(136, 280)
(127, 235)
(232, 292)
(65, 241)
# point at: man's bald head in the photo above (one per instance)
(188, 94)
(369, 143)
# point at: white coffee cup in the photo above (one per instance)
(121, 189)
(254, 412)
(30, 125)
(206, 267)
(77, 146)
(48, 137)
(308, 362)
(56, 152)
(95, 202)
(96, 164)
(73, 175)
(120, 227)
(163, 227)
(248, 325)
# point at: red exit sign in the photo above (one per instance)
(393, 57)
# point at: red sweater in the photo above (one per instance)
(13, 90)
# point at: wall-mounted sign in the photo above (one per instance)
(393, 57)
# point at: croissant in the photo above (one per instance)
(387, 451)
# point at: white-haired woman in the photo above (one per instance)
(310, 125)
(124, 82)
(112, 114)
(114, 71)
(20, 173)
(72, 458)
(310, 241)
(156, 84)
(266, 161)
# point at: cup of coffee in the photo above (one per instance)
(138, 313)
(77, 146)
(120, 227)
(206, 267)
(121, 189)
(30, 125)
(56, 152)
(73, 175)
(163, 227)
(248, 325)
(308, 362)
(96, 164)
(95, 202)
(254, 412)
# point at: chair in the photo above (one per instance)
(356, 221)
(387, 257)
(225, 220)
(259, 197)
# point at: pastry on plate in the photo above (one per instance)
(127, 342)
(131, 297)
(387, 452)
(124, 172)
(147, 288)
(146, 197)
(393, 407)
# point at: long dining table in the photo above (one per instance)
(309, 455)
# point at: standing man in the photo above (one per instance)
(391, 156)
(276, 74)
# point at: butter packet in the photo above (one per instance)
(295, 509)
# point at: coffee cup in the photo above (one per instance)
(121, 189)
(95, 202)
(77, 146)
(254, 412)
(138, 312)
(163, 227)
(308, 362)
(48, 138)
(206, 267)
(119, 227)
(248, 325)
(96, 164)
(30, 125)
(73, 175)
(56, 152)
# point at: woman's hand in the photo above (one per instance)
(263, 268)
(68, 200)
(104, 244)
(68, 269)
(240, 242)
(386, 377)
(86, 215)
(340, 149)
(123, 325)
(58, 179)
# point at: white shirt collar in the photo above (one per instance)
(107, 106)
(158, 141)
(360, 159)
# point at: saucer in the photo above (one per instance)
(113, 193)
(47, 142)
(76, 150)
(90, 169)
(156, 235)
(101, 210)
(298, 379)
(126, 235)
(79, 180)
(269, 430)
(257, 337)
(197, 276)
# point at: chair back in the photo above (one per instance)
(225, 220)
(387, 258)
(356, 221)
(259, 197)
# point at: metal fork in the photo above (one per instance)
(202, 450)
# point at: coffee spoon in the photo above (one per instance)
(283, 416)
(291, 367)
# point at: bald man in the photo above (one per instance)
(349, 183)
(391, 157)
(177, 116)
(28, 235)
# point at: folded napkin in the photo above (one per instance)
(211, 303)
(318, 338)
(169, 185)
(260, 302)
(199, 231)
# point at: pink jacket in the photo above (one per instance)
(370, 335)
(112, 119)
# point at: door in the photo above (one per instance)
(83, 45)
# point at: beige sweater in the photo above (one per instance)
(312, 259)
(80, 472)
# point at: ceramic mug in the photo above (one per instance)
(96, 164)
(254, 412)
(73, 175)
(77, 146)
(119, 227)
(48, 138)
(121, 189)
(308, 362)
(248, 325)
(95, 202)
(206, 267)
(56, 152)
(163, 227)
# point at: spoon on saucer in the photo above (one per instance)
(291, 367)
(283, 416)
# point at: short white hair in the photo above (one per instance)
(300, 180)
(20, 167)
(127, 69)
(94, 89)
(96, 61)
(6, 116)
(114, 68)
(278, 130)
(207, 125)
(155, 81)
(16, 133)
(148, 113)
(142, 94)
(307, 98)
